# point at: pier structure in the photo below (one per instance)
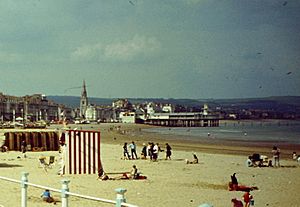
(188, 119)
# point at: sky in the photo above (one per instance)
(195, 49)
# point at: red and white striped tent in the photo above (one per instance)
(82, 154)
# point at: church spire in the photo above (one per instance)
(83, 93)
(83, 101)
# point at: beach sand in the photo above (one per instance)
(169, 182)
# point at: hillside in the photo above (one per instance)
(276, 103)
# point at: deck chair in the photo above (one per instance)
(51, 161)
(43, 163)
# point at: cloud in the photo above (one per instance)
(86, 52)
(125, 51)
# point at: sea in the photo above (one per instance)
(287, 131)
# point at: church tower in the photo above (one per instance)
(83, 101)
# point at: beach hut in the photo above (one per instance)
(36, 140)
(81, 154)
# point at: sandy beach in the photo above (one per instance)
(169, 182)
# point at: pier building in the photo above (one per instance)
(186, 119)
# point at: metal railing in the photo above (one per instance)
(119, 202)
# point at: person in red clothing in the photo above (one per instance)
(247, 197)
(236, 203)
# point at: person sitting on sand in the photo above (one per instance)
(249, 162)
(133, 174)
(4, 148)
(294, 156)
(195, 160)
(102, 175)
(46, 196)
(236, 203)
(232, 187)
(234, 181)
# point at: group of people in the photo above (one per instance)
(247, 197)
(257, 160)
(132, 155)
(150, 151)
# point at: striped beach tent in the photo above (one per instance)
(82, 152)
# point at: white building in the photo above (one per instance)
(91, 113)
(127, 117)
(168, 108)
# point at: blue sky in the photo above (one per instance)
(150, 48)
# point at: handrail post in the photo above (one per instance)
(120, 196)
(64, 196)
(24, 186)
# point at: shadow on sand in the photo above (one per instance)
(4, 165)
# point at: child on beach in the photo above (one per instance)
(46, 196)
(247, 197)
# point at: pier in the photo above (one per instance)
(188, 119)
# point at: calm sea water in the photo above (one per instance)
(274, 131)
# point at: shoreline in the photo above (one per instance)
(117, 133)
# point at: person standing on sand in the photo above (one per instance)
(150, 150)
(125, 152)
(276, 155)
(132, 147)
(62, 157)
(247, 197)
(23, 148)
(168, 151)
(155, 152)
(144, 152)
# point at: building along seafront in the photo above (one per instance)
(31, 108)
